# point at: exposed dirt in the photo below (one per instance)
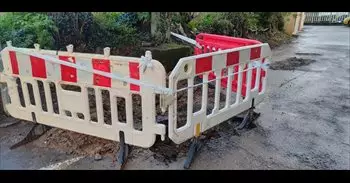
(76, 143)
(165, 151)
(290, 63)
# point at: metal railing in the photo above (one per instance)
(325, 17)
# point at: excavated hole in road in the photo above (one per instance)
(290, 63)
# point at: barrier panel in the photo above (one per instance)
(44, 90)
(216, 63)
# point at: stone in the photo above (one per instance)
(98, 157)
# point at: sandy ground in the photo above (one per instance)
(304, 122)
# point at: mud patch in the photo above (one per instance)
(167, 151)
(290, 63)
(76, 143)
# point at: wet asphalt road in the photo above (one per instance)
(304, 123)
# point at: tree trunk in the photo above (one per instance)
(154, 22)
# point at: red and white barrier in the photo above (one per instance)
(238, 63)
(235, 65)
(120, 76)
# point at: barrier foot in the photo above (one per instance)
(192, 152)
(123, 152)
(37, 131)
(8, 124)
(248, 119)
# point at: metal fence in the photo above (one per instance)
(325, 17)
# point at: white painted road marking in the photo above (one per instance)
(62, 165)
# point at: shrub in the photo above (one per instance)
(90, 32)
(139, 20)
(272, 20)
(73, 28)
(106, 19)
(227, 23)
(238, 23)
(211, 23)
(242, 21)
(25, 29)
(112, 30)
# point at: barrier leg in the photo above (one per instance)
(123, 151)
(4, 97)
(37, 131)
(192, 152)
(248, 119)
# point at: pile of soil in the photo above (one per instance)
(290, 63)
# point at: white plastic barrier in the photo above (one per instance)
(219, 62)
(54, 88)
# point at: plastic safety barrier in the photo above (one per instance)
(221, 60)
(54, 88)
(211, 43)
